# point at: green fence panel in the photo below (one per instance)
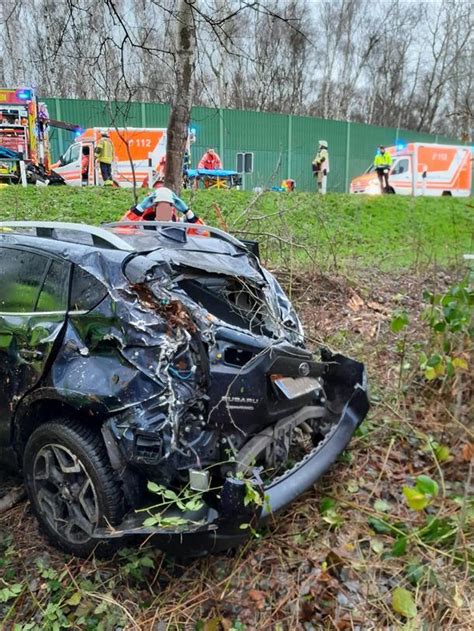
(364, 140)
(283, 145)
(154, 115)
(266, 137)
(305, 136)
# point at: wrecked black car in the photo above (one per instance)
(156, 383)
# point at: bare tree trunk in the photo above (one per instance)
(181, 108)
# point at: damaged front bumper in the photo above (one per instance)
(229, 521)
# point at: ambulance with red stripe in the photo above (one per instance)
(139, 157)
(423, 169)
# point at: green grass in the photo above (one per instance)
(342, 231)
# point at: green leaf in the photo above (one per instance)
(460, 363)
(442, 453)
(381, 506)
(415, 498)
(399, 321)
(147, 562)
(435, 360)
(415, 572)
(438, 530)
(399, 547)
(195, 504)
(379, 526)
(169, 494)
(252, 495)
(74, 600)
(426, 485)
(173, 521)
(326, 504)
(10, 592)
(332, 517)
(155, 488)
(403, 603)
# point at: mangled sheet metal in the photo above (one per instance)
(195, 360)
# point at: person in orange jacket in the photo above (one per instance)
(210, 160)
(163, 205)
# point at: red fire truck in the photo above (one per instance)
(24, 139)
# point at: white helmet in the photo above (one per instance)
(104, 132)
(323, 143)
(164, 194)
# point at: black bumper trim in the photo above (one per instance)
(218, 534)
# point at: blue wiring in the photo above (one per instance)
(179, 375)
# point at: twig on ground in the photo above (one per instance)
(13, 497)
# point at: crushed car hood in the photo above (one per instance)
(214, 256)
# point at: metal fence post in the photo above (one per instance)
(221, 133)
(348, 150)
(143, 114)
(60, 131)
(290, 142)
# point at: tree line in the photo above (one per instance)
(393, 63)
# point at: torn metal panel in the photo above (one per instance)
(190, 358)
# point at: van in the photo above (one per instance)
(139, 155)
(422, 169)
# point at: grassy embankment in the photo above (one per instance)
(337, 231)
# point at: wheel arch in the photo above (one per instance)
(35, 410)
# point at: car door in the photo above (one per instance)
(33, 307)
(401, 176)
(71, 167)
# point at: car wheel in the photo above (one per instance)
(71, 485)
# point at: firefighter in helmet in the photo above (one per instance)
(320, 166)
(104, 153)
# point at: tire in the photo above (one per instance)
(446, 194)
(71, 485)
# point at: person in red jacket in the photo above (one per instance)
(210, 160)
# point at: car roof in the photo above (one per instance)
(138, 237)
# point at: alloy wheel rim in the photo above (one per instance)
(65, 493)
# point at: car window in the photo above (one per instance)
(53, 295)
(401, 167)
(32, 282)
(21, 277)
(66, 157)
(72, 154)
(86, 291)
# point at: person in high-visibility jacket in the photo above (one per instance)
(320, 166)
(164, 205)
(104, 153)
(383, 164)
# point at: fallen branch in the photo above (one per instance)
(9, 500)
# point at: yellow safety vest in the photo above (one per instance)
(384, 160)
(104, 151)
(321, 156)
